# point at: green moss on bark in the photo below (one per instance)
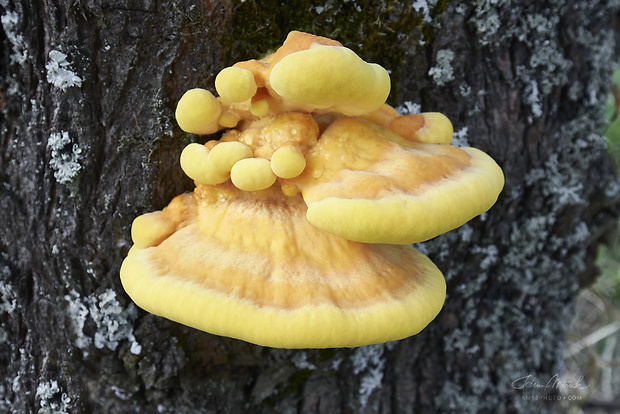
(379, 31)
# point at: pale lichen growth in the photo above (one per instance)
(527, 278)
(557, 180)
(601, 48)
(459, 138)
(300, 360)
(8, 301)
(489, 255)
(65, 157)
(5, 404)
(59, 71)
(486, 20)
(443, 73)
(368, 360)
(532, 97)
(10, 24)
(52, 399)
(465, 90)
(409, 107)
(421, 6)
(113, 322)
(163, 122)
(536, 268)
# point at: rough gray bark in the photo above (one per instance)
(523, 80)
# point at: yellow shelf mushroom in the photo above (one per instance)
(252, 267)
(297, 234)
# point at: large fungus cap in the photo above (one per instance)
(331, 78)
(296, 234)
(366, 183)
(250, 266)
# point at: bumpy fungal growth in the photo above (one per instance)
(297, 234)
(198, 112)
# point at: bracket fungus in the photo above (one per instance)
(298, 232)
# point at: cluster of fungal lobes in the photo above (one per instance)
(298, 232)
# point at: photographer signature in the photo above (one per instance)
(529, 381)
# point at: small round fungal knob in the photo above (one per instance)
(226, 154)
(196, 164)
(252, 174)
(259, 108)
(150, 229)
(437, 129)
(288, 161)
(235, 84)
(427, 128)
(228, 120)
(197, 112)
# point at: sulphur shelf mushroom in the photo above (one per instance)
(298, 232)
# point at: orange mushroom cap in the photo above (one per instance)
(297, 233)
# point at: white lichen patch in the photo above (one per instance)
(459, 139)
(65, 157)
(557, 181)
(8, 302)
(5, 403)
(501, 22)
(409, 107)
(113, 322)
(59, 71)
(121, 393)
(536, 264)
(532, 98)
(52, 400)
(465, 90)
(369, 361)
(164, 119)
(601, 48)
(335, 363)
(300, 360)
(421, 6)
(442, 72)
(10, 24)
(489, 255)
(486, 20)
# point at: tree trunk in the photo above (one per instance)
(88, 142)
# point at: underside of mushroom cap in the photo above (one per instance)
(366, 183)
(250, 266)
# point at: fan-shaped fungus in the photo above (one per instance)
(297, 233)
